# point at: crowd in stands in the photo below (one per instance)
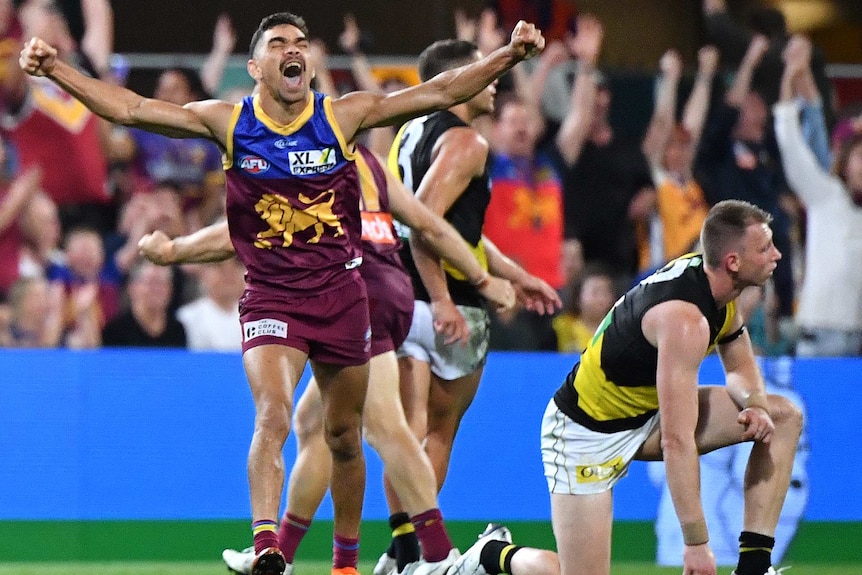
(575, 200)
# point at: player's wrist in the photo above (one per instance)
(695, 533)
(757, 400)
(482, 281)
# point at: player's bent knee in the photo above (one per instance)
(785, 414)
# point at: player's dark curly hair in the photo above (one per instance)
(445, 55)
(273, 20)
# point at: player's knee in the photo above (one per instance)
(379, 431)
(307, 426)
(786, 415)
(344, 441)
(273, 420)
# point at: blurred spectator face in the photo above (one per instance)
(751, 124)
(679, 152)
(224, 282)
(602, 104)
(150, 288)
(40, 222)
(85, 253)
(43, 19)
(514, 133)
(572, 256)
(597, 296)
(29, 301)
(165, 210)
(173, 87)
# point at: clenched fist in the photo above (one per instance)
(527, 40)
(38, 57)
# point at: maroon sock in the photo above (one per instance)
(432, 535)
(290, 534)
(345, 552)
(264, 535)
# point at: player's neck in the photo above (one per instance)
(721, 285)
(280, 111)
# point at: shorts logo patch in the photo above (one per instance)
(600, 472)
(261, 327)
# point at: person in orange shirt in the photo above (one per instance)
(670, 147)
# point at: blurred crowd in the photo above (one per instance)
(576, 200)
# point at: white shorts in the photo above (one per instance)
(447, 361)
(580, 461)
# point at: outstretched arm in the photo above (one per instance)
(576, 125)
(432, 231)
(664, 111)
(209, 244)
(361, 110)
(224, 40)
(534, 293)
(697, 106)
(742, 82)
(122, 106)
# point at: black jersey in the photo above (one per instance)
(613, 387)
(411, 156)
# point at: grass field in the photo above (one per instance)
(322, 568)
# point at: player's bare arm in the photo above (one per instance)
(680, 333)
(361, 110)
(746, 386)
(209, 244)
(122, 106)
(438, 234)
(534, 293)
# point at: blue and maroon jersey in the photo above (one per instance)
(293, 199)
(380, 242)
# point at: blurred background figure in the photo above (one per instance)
(212, 321)
(35, 314)
(146, 322)
(670, 148)
(586, 304)
(830, 304)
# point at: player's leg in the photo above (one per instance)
(456, 371)
(582, 528)
(767, 475)
(309, 478)
(342, 390)
(447, 404)
(273, 372)
(406, 464)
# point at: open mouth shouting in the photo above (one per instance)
(292, 72)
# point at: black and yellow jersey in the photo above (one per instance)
(613, 386)
(411, 157)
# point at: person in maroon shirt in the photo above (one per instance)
(293, 217)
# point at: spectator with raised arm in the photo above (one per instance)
(733, 38)
(830, 303)
(606, 181)
(738, 160)
(670, 149)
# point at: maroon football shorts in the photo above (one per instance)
(332, 327)
(390, 297)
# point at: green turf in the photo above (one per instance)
(322, 568)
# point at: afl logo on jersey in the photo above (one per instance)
(253, 164)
